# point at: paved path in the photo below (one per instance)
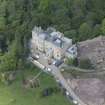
(58, 76)
(66, 67)
(88, 71)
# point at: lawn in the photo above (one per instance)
(15, 94)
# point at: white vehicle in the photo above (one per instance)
(75, 102)
(37, 56)
(67, 93)
(48, 69)
(54, 62)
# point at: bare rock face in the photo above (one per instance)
(91, 91)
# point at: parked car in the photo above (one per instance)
(69, 96)
(35, 57)
(75, 102)
(54, 62)
(67, 93)
(48, 69)
(58, 63)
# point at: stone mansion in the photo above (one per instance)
(52, 43)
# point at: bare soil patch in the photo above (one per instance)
(91, 91)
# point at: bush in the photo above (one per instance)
(72, 62)
(49, 91)
(85, 64)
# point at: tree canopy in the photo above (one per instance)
(77, 19)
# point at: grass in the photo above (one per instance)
(15, 94)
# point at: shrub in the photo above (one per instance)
(85, 64)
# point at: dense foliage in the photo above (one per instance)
(77, 19)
